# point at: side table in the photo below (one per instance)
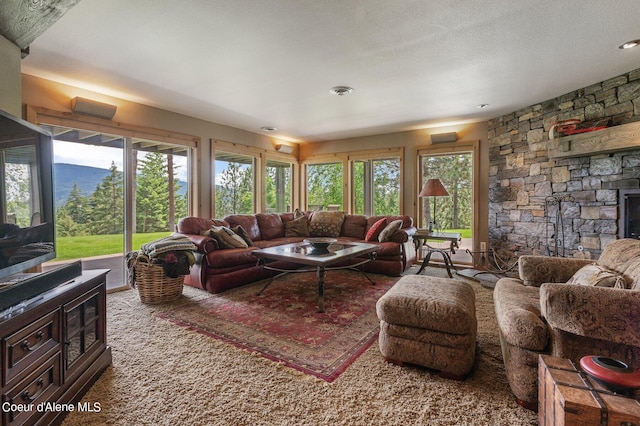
(568, 396)
(420, 239)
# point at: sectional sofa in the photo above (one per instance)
(218, 269)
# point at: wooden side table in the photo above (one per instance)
(422, 235)
(568, 396)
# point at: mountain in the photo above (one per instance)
(65, 175)
(87, 178)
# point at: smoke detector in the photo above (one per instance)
(341, 90)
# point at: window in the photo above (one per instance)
(324, 186)
(455, 172)
(234, 184)
(116, 186)
(161, 196)
(456, 212)
(376, 186)
(278, 186)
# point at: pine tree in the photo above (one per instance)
(152, 207)
(107, 204)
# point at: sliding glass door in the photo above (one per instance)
(113, 194)
(455, 212)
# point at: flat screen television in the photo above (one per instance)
(27, 233)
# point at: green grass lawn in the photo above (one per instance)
(99, 245)
(466, 233)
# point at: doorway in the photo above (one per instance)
(454, 212)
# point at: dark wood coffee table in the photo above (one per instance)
(304, 254)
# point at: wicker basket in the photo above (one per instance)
(153, 285)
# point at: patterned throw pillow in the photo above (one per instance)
(389, 230)
(226, 237)
(242, 233)
(598, 276)
(326, 224)
(375, 230)
(298, 227)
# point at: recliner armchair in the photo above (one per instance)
(541, 314)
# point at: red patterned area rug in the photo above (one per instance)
(284, 325)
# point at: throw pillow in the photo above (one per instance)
(375, 230)
(242, 233)
(389, 230)
(326, 224)
(298, 227)
(226, 237)
(598, 276)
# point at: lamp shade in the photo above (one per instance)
(433, 188)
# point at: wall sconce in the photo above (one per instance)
(94, 108)
(444, 137)
(284, 149)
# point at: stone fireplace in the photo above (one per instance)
(629, 213)
(525, 174)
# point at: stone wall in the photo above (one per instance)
(524, 182)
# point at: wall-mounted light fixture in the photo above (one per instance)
(94, 108)
(444, 137)
(284, 149)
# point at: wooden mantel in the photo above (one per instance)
(611, 139)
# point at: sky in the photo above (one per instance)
(101, 157)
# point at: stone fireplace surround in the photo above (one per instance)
(522, 175)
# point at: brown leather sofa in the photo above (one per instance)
(217, 269)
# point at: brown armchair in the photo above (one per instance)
(541, 313)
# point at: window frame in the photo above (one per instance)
(451, 149)
(370, 156)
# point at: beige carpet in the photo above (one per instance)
(166, 375)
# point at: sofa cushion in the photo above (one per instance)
(326, 224)
(298, 227)
(375, 230)
(596, 275)
(195, 225)
(354, 226)
(248, 222)
(623, 256)
(270, 225)
(389, 230)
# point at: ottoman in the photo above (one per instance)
(430, 322)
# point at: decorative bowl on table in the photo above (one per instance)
(320, 244)
(613, 374)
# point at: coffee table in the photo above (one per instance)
(304, 254)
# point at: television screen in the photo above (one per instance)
(27, 234)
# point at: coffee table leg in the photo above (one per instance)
(320, 273)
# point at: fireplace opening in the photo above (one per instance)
(629, 223)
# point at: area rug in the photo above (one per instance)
(283, 323)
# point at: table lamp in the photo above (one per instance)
(433, 188)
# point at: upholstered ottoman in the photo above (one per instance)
(430, 322)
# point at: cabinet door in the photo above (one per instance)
(84, 329)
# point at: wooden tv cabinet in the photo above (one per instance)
(52, 350)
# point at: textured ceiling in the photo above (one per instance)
(23, 21)
(412, 64)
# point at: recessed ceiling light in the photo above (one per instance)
(629, 44)
(341, 90)
(482, 106)
(269, 128)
